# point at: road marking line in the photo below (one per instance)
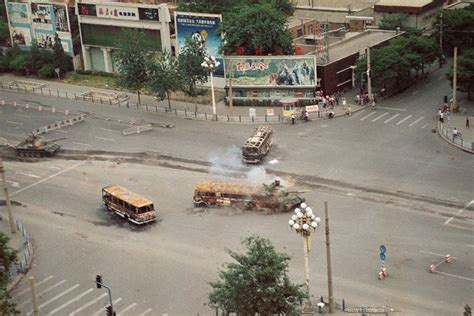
(82, 144)
(386, 121)
(460, 227)
(406, 118)
(59, 295)
(127, 309)
(43, 292)
(425, 125)
(379, 117)
(29, 288)
(395, 109)
(75, 299)
(111, 130)
(83, 307)
(101, 311)
(428, 84)
(456, 276)
(370, 114)
(459, 212)
(50, 177)
(356, 114)
(416, 121)
(60, 131)
(21, 115)
(54, 167)
(28, 175)
(11, 122)
(415, 92)
(146, 312)
(13, 183)
(471, 246)
(107, 139)
(434, 253)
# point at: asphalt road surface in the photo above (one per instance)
(388, 180)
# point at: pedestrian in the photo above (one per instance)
(467, 122)
(292, 118)
(344, 102)
(306, 116)
(348, 111)
(441, 117)
(455, 133)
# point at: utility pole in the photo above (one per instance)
(441, 34)
(455, 79)
(231, 96)
(7, 199)
(328, 257)
(369, 80)
(33, 297)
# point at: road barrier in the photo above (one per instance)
(137, 129)
(446, 133)
(59, 125)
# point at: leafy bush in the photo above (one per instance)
(46, 71)
(96, 73)
(21, 64)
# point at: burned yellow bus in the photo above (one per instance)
(258, 144)
(133, 207)
(267, 198)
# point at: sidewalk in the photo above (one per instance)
(19, 241)
(236, 114)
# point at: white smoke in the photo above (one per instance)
(228, 163)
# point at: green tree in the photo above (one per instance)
(131, 60)
(257, 282)
(465, 72)
(265, 27)
(21, 64)
(190, 69)
(225, 6)
(164, 76)
(457, 27)
(7, 258)
(4, 33)
(61, 60)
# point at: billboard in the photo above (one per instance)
(273, 71)
(202, 28)
(18, 13)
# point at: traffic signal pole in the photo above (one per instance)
(98, 282)
(369, 75)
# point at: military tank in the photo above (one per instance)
(272, 198)
(33, 146)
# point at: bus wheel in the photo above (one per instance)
(202, 204)
(250, 205)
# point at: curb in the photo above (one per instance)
(448, 140)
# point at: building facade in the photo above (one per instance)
(101, 25)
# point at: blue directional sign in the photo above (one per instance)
(383, 249)
(382, 256)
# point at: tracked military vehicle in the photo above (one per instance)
(269, 199)
(33, 146)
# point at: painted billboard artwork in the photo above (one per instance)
(41, 13)
(204, 30)
(21, 35)
(60, 18)
(18, 13)
(273, 71)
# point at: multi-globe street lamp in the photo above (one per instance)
(304, 222)
(210, 64)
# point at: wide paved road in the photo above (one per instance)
(385, 175)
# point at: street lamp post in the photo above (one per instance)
(211, 64)
(304, 222)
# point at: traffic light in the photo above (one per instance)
(109, 310)
(98, 281)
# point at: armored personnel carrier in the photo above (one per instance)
(258, 144)
(271, 198)
(33, 146)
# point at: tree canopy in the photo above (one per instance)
(7, 258)
(164, 76)
(465, 72)
(131, 60)
(190, 69)
(261, 26)
(226, 6)
(457, 28)
(257, 282)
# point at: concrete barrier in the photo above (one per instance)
(137, 129)
(59, 125)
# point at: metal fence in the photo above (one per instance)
(155, 107)
(447, 133)
(24, 254)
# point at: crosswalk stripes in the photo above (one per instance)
(83, 307)
(75, 299)
(368, 115)
(66, 298)
(393, 117)
(403, 120)
(379, 117)
(416, 121)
